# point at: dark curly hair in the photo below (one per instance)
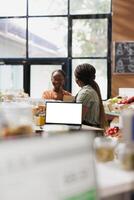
(59, 71)
(86, 73)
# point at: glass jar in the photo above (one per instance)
(39, 120)
(104, 149)
(126, 157)
(18, 117)
(38, 111)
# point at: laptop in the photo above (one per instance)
(64, 113)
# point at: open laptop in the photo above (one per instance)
(64, 113)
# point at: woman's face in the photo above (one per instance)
(58, 81)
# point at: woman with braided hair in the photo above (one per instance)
(89, 95)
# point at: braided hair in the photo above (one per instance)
(86, 73)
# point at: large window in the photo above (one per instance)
(11, 77)
(89, 37)
(43, 35)
(13, 38)
(48, 37)
(89, 40)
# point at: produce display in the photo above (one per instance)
(113, 108)
(113, 132)
(126, 100)
(13, 95)
(117, 104)
(121, 100)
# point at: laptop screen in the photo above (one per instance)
(64, 113)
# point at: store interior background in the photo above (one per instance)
(122, 30)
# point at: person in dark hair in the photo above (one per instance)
(58, 80)
(89, 95)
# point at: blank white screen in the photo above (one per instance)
(63, 113)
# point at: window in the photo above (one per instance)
(13, 38)
(89, 37)
(11, 77)
(89, 41)
(48, 37)
(48, 7)
(42, 35)
(90, 6)
(13, 8)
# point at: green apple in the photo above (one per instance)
(115, 100)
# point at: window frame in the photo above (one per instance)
(108, 57)
(66, 61)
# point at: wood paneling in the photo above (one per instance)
(122, 30)
(121, 81)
